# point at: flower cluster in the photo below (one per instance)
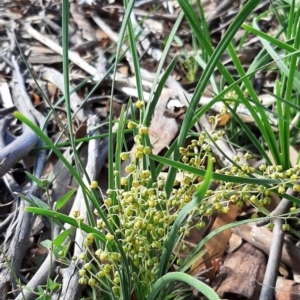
(143, 215)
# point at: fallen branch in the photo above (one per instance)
(70, 287)
(269, 283)
(17, 236)
(73, 56)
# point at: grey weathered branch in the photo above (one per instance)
(17, 236)
(70, 287)
(269, 283)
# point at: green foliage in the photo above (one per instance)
(129, 249)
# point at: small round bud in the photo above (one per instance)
(109, 237)
(130, 125)
(294, 178)
(124, 181)
(285, 227)
(116, 290)
(130, 168)
(209, 212)
(87, 266)
(135, 183)
(108, 202)
(143, 130)
(138, 154)
(83, 256)
(270, 226)
(101, 274)
(76, 213)
(116, 280)
(94, 184)
(200, 225)
(81, 272)
(262, 168)
(147, 150)
(247, 156)
(296, 187)
(103, 256)
(124, 156)
(89, 239)
(225, 210)
(91, 282)
(140, 148)
(140, 104)
(254, 216)
(281, 189)
(83, 280)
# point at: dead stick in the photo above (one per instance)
(70, 287)
(269, 283)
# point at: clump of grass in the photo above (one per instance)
(144, 216)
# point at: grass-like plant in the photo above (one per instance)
(133, 230)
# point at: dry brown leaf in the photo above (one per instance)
(101, 35)
(124, 70)
(223, 119)
(81, 130)
(162, 129)
(36, 99)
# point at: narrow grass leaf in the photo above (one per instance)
(40, 203)
(173, 277)
(281, 65)
(71, 221)
(135, 60)
(272, 40)
(64, 199)
(36, 180)
(216, 176)
(30, 201)
(119, 145)
(250, 135)
(60, 239)
(265, 127)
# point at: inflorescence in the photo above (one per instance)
(142, 213)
